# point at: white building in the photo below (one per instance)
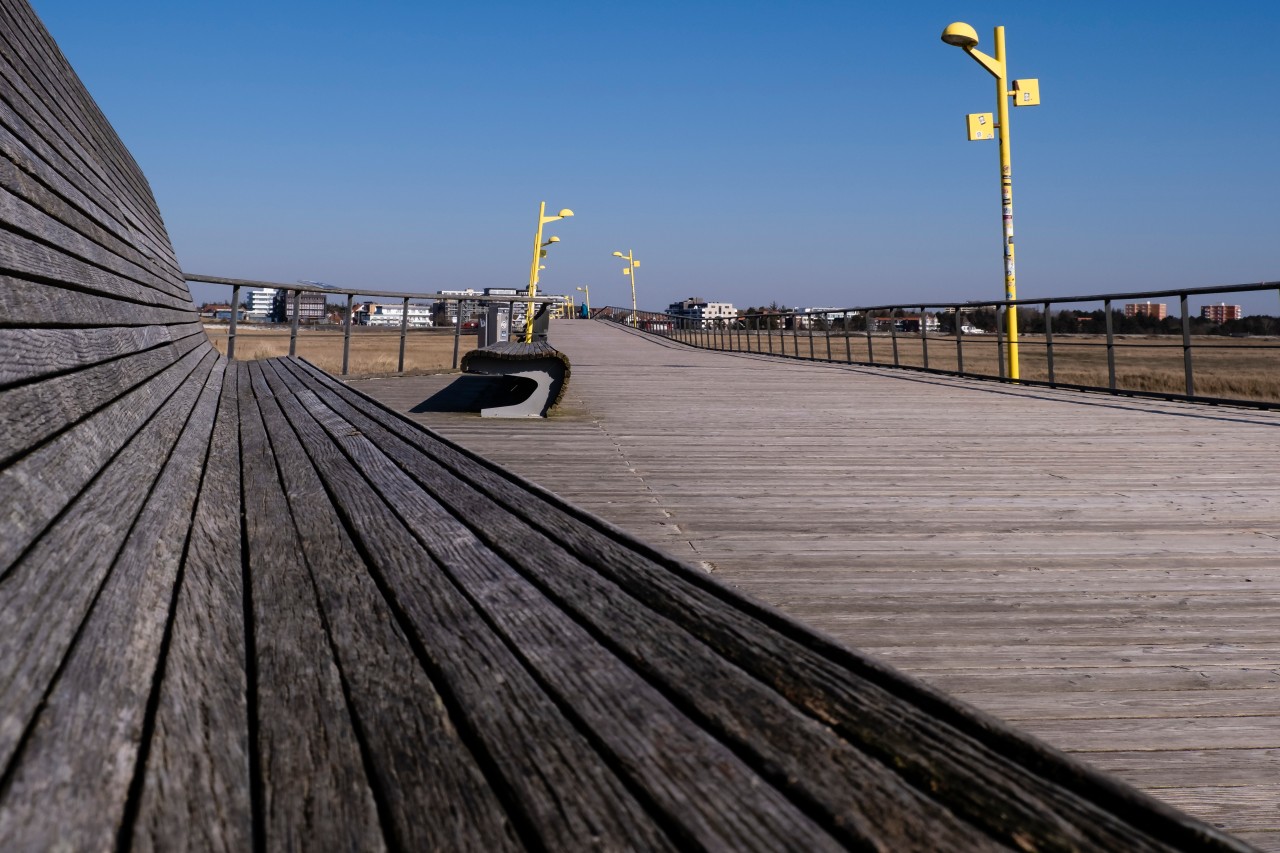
(701, 313)
(260, 300)
(392, 313)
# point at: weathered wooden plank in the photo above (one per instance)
(432, 791)
(20, 145)
(23, 122)
(31, 353)
(39, 410)
(34, 181)
(44, 597)
(77, 764)
(22, 217)
(196, 789)
(22, 256)
(564, 792)
(48, 304)
(314, 789)
(41, 484)
(64, 107)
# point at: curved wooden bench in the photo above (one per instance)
(536, 373)
(244, 607)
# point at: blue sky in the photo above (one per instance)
(811, 153)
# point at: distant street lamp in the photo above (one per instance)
(630, 270)
(539, 252)
(586, 297)
(1025, 93)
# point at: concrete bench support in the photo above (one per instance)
(538, 375)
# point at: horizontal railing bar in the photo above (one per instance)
(342, 291)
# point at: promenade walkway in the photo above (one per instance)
(1103, 572)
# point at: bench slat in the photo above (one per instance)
(44, 409)
(40, 485)
(44, 597)
(47, 305)
(33, 353)
(196, 789)
(418, 762)
(68, 111)
(307, 749)
(557, 785)
(78, 764)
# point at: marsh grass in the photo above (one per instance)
(1231, 368)
(373, 351)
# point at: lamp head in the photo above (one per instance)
(617, 254)
(564, 214)
(553, 239)
(960, 35)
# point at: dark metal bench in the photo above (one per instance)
(244, 607)
(535, 377)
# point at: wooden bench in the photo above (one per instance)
(535, 377)
(244, 607)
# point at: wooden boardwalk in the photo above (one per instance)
(1103, 572)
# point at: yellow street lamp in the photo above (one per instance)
(539, 252)
(586, 297)
(1025, 93)
(630, 270)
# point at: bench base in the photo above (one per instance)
(537, 375)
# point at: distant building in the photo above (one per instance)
(311, 307)
(445, 311)
(1157, 310)
(700, 312)
(1220, 313)
(906, 323)
(260, 302)
(391, 314)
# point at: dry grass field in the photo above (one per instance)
(373, 351)
(1236, 368)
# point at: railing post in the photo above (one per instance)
(848, 347)
(346, 335)
(795, 333)
(768, 330)
(231, 330)
(1111, 346)
(812, 354)
(924, 338)
(867, 323)
(958, 323)
(1001, 317)
(826, 326)
(893, 334)
(1048, 344)
(404, 331)
(293, 325)
(1186, 345)
(457, 330)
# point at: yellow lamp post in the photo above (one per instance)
(1025, 93)
(539, 252)
(586, 297)
(630, 270)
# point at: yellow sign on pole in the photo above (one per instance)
(981, 126)
(1026, 93)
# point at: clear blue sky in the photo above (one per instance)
(811, 153)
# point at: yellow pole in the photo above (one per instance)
(1006, 199)
(631, 259)
(533, 274)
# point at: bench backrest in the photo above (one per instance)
(96, 322)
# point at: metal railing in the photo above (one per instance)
(404, 334)
(1135, 353)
